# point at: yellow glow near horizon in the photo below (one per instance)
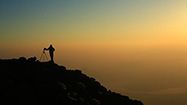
(135, 47)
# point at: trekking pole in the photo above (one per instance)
(45, 55)
(41, 56)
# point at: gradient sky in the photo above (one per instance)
(135, 47)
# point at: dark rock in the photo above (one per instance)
(23, 59)
(30, 82)
(32, 59)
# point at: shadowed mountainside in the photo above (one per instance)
(30, 82)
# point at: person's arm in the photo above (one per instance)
(46, 49)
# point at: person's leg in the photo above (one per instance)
(51, 55)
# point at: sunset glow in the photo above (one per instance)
(135, 47)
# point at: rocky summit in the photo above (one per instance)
(30, 82)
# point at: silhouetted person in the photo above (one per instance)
(51, 52)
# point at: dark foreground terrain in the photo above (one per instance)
(30, 82)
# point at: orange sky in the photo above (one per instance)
(135, 47)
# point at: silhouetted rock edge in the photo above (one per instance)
(31, 82)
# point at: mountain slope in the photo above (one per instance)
(30, 82)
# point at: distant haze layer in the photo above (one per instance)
(135, 47)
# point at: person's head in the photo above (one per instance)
(51, 45)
